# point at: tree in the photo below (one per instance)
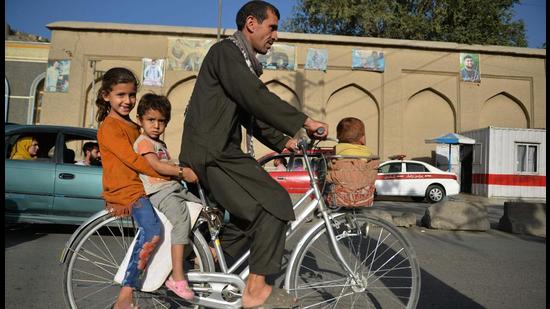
(487, 22)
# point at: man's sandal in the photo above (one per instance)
(278, 298)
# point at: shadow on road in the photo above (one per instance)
(16, 234)
(434, 293)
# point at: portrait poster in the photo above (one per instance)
(370, 60)
(57, 76)
(153, 72)
(187, 54)
(469, 68)
(316, 59)
(279, 57)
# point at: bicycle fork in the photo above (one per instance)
(328, 223)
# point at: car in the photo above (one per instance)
(416, 179)
(51, 188)
(294, 177)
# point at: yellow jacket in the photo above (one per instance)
(352, 150)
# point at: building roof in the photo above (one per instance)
(299, 37)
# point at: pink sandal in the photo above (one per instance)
(181, 288)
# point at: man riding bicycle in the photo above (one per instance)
(228, 94)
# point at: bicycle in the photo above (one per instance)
(346, 259)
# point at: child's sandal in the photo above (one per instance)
(181, 288)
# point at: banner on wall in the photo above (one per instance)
(279, 57)
(370, 60)
(57, 76)
(316, 59)
(187, 54)
(469, 68)
(153, 72)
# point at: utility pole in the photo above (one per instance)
(92, 103)
(219, 19)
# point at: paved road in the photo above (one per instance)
(459, 269)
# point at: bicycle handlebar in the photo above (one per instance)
(304, 144)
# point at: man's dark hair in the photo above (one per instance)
(256, 9)
(467, 57)
(89, 146)
(156, 102)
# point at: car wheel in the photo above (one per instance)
(435, 193)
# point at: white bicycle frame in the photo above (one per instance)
(228, 277)
(219, 281)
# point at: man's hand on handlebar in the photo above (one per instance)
(316, 129)
(292, 145)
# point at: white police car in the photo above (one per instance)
(416, 179)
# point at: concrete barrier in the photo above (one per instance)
(382, 214)
(406, 219)
(524, 218)
(456, 215)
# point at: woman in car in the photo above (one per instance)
(26, 148)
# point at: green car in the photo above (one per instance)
(51, 188)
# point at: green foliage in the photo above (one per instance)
(487, 22)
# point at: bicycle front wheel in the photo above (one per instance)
(379, 255)
(94, 259)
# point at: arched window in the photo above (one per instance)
(35, 99)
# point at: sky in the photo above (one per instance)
(32, 16)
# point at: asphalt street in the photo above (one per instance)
(459, 269)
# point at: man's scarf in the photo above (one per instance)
(256, 68)
(249, 54)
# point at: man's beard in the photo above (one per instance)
(95, 161)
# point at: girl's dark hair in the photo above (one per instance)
(156, 102)
(111, 78)
(256, 9)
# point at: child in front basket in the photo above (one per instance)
(351, 138)
(169, 197)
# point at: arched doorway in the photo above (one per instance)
(35, 99)
(503, 110)
(179, 96)
(354, 101)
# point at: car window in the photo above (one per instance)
(298, 164)
(276, 164)
(416, 168)
(73, 152)
(391, 168)
(46, 142)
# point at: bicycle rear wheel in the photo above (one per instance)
(94, 260)
(378, 253)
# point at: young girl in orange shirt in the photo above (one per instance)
(122, 188)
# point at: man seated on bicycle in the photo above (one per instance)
(228, 94)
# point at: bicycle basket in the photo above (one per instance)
(351, 182)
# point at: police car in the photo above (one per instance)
(396, 177)
(416, 179)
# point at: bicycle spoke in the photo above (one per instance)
(92, 265)
(379, 257)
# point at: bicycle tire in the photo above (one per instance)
(94, 258)
(375, 249)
